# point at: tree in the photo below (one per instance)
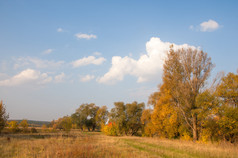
(44, 128)
(127, 117)
(185, 74)
(24, 125)
(13, 126)
(133, 117)
(164, 117)
(85, 116)
(102, 116)
(227, 115)
(64, 123)
(147, 126)
(227, 90)
(3, 116)
(118, 116)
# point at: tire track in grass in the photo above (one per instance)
(141, 148)
(154, 146)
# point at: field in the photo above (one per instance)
(94, 144)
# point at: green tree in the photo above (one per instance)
(3, 116)
(127, 117)
(66, 123)
(185, 74)
(118, 116)
(102, 116)
(227, 116)
(227, 90)
(133, 117)
(85, 115)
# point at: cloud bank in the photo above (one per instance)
(147, 67)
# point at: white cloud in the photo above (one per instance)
(147, 67)
(88, 60)
(60, 30)
(85, 36)
(38, 63)
(87, 78)
(27, 76)
(59, 78)
(208, 26)
(48, 51)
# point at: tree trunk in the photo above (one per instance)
(195, 131)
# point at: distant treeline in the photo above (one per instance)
(33, 123)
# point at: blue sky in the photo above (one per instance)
(56, 55)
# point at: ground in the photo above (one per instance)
(77, 144)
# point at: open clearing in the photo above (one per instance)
(94, 144)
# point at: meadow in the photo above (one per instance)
(75, 144)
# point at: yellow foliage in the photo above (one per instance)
(111, 129)
(164, 116)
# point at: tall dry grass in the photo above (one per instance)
(89, 145)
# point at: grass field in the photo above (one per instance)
(96, 145)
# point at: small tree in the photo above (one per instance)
(3, 116)
(44, 128)
(24, 125)
(185, 74)
(13, 126)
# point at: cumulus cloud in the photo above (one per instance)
(48, 51)
(85, 36)
(208, 26)
(87, 61)
(59, 78)
(27, 76)
(87, 78)
(38, 63)
(147, 67)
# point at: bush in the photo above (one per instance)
(33, 130)
(111, 129)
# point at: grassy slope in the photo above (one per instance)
(78, 144)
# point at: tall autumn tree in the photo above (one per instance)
(185, 74)
(3, 116)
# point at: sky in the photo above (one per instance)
(56, 55)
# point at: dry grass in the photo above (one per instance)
(90, 145)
